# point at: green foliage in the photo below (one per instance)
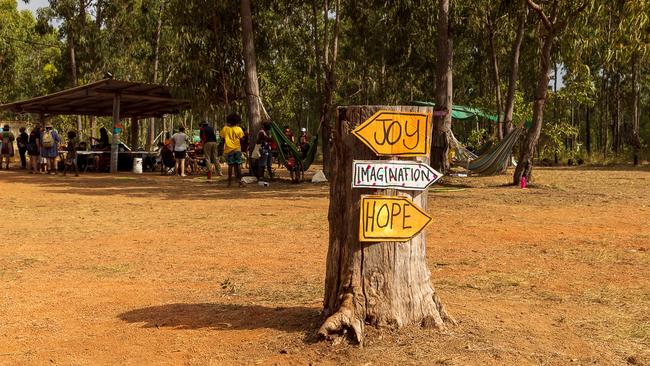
(24, 55)
(477, 138)
(555, 135)
(386, 55)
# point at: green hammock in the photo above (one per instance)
(495, 160)
(293, 150)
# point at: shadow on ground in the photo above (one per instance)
(169, 187)
(224, 316)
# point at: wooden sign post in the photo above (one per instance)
(378, 275)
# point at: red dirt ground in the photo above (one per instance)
(140, 270)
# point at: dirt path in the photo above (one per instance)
(99, 270)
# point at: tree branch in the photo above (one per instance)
(540, 12)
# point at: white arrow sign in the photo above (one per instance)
(399, 174)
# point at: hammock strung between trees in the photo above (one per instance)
(292, 150)
(496, 159)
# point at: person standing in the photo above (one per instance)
(50, 147)
(22, 141)
(264, 140)
(34, 149)
(71, 156)
(7, 150)
(232, 134)
(210, 149)
(180, 141)
(303, 141)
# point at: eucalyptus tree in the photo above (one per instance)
(553, 21)
(29, 54)
(444, 90)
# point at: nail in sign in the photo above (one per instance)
(390, 218)
(398, 174)
(393, 133)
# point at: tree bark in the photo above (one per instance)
(526, 154)
(514, 71)
(444, 91)
(135, 133)
(329, 57)
(151, 134)
(379, 284)
(495, 75)
(588, 131)
(252, 86)
(635, 139)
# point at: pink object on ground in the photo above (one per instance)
(522, 182)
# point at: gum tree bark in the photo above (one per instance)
(252, 85)
(514, 71)
(444, 91)
(495, 72)
(550, 28)
(379, 284)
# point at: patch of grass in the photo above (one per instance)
(229, 286)
(109, 270)
(641, 333)
(549, 296)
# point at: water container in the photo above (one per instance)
(137, 165)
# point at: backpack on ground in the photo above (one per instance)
(48, 139)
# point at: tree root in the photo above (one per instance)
(440, 319)
(343, 320)
(442, 310)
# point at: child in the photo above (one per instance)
(295, 170)
(232, 134)
(71, 157)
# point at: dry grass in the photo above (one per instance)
(156, 270)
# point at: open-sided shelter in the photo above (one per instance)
(108, 97)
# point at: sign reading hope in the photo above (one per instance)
(392, 133)
(390, 218)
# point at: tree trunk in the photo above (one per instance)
(329, 57)
(380, 284)
(151, 134)
(514, 71)
(135, 133)
(635, 139)
(588, 132)
(605, 116)
(526, 153)
(444, 91)
(495, 76)
(252, 85)
(73, 69)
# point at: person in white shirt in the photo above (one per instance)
(180, 141)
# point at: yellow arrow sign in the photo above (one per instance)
(390, 218)
(396, 133)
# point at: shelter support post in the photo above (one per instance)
(41, 120)
(116, 132)
(151, 134)
(93, 126)
(135, 133)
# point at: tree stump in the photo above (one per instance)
(384, 284)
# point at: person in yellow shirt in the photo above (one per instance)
(231, 134)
